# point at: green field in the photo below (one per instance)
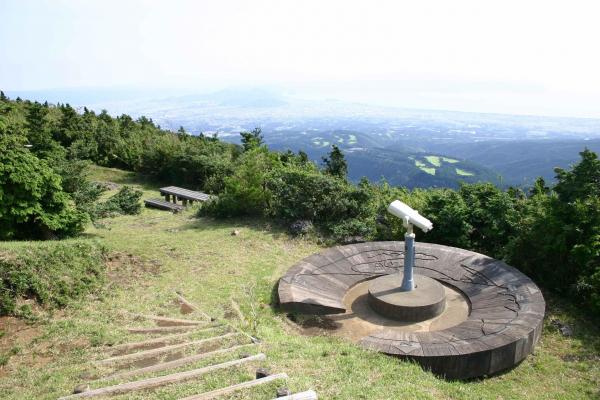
(434, 160)
(462, 172)
(158, 252)
(423, 167)
(449, 160)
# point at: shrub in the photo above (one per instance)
(125, 202)
(336, 206)
(51, 273)
(76, 182)
(245, 192)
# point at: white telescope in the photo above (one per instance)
(409, 218)
(404, 212)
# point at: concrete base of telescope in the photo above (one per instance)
(426, 301)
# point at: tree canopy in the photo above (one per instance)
(32, 201)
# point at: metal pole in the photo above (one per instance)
(408, 283)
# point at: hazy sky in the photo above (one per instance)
(498, 56)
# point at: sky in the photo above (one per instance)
(522, 57)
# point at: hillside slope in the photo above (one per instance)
(234, 276)
(368, 157)
(521, 162)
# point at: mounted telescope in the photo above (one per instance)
(409, 217)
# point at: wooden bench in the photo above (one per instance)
(163, 205)
(175, 193)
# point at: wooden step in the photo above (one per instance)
(307, 395)
(161, 380)
(166, 321)
(167, 329)
(154, 343)
(161, 350)
(175, 363)
(182, 301)
(234, 388)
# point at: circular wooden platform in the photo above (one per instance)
(504, 323)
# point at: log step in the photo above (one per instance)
(161, 350)
(166, 321)
(160, 341)
(167, 329)
(234, 388)
(161, 380)
(175, 363)
(307, 395)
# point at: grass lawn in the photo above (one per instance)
(462, 172)
(449, 160)
(434, 160)
(158, 252)
(423, 167)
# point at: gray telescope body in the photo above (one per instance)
(409, 217)
(403, 211)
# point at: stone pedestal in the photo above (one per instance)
(426, 301)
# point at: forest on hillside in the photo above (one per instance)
(550, 233)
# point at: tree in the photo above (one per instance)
(450, 216)
(32, 202)
(252, 139)
(68, 126)
(559, 233)
(336, 164)
(582, 181)
(303, 157)
(181, 132)
(492, 215)
(43, 146)
(577, 209)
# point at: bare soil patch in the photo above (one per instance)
(16, 337)
(126, 269)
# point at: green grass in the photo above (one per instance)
(200, 257)
(449, 160)
(434, 160)
(462, 172)
(423, 167)
(319, 142)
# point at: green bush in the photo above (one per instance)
(341, 209)
(76, 182)
(245, 192)
(125, 202)
(51, 273)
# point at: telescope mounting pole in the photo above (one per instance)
(408, 283)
